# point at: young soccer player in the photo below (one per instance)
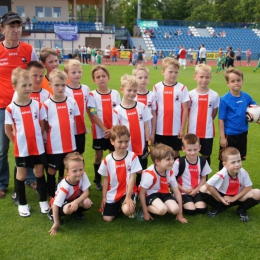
(50, 61)
(59, 125)
(39, 94)
(155, 60)
(172, 106)
(99, 58)
(233, 127)
(145, 96)
(80, 93)
(229, 187)
(72, 192)
(193, 175)
(219, 67)
(118, 169)
(101, 103)
(24, 127)
(203, 108)
(135, 116)
(155, 195)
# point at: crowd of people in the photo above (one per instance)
(44, 116)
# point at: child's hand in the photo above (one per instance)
(181, 134)
(54, 229)
(147, 216)
(229, 199)
(224, 201)
(223, 142)
(103, 203)
(193, 192)
(180, 218)
(130, 203)
(107, 134)
(73, 206)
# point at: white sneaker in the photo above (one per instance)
(24, 210)
(44, 205)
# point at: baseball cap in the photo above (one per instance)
(10, 17)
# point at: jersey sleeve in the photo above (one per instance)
(43, 114)
(153, 101)
(222, 109)
(185, 95)
(34, 55)
(116, 120)
(246, 179)
(206, 169)
(147, 114)
(85, 182)
(60, 195)
(8, 116)
(103, 170)
(136, 166)
(91, 101)
(146, 180)
(216, 102)
(216, 180)
(76, 109)
(172, 180)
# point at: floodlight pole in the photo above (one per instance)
(139, 7)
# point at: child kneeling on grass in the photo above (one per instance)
(72, 192)
(118, 169)
(229, 187)
(155, 195)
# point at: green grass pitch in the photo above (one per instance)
(223, 237)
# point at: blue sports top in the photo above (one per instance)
(232, 110)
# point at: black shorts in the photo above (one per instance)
(31, 160)
(111, 209)
(173, 141)
(238, 58)
(187, 198)
(202, 60)
(162, 196)
(239, 142)
(80, 143)
(102, 144)
(206, 146)
(55, 161)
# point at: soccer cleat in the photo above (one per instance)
(99, 185)
(140, 215)
(15, 199)
(243, 215)
(80, 215)
(214, 212)
(44, 205)
(24, 210)
(50, 217)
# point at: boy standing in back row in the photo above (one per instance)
(203, 108)
(172, 107)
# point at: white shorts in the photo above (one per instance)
(182, 62)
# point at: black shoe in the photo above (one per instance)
(214, 212)
(80, 215)
(99, 185)
(243, 215)
(50, 217)
(15, 199)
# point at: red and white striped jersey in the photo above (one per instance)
(169, 100)
(118, 173)
(192, 174)
(134, 119)
(227, 185)
(41, 96)
(69, 192)
(104, 103)
(149, 100)
(201, 106)
(81, 96)
(153, 182)
(60, 117)
(28, 138)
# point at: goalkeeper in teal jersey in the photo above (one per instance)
(258, 66)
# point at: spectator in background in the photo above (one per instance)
(122, 47)
(179, 32)
(188, 33)
(114, 54)
(151, 33)
(27, 21)
(239, 55)
(34, 20)
(167, 35)
(146, 31)
(248, 56)
(231, 57)
(203, 52)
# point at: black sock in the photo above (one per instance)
(189, 211)
(247, 204)
(20, 189)
(51, 185)
(97, 175)
(138, 179)
(42, 188)
(15, 173)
